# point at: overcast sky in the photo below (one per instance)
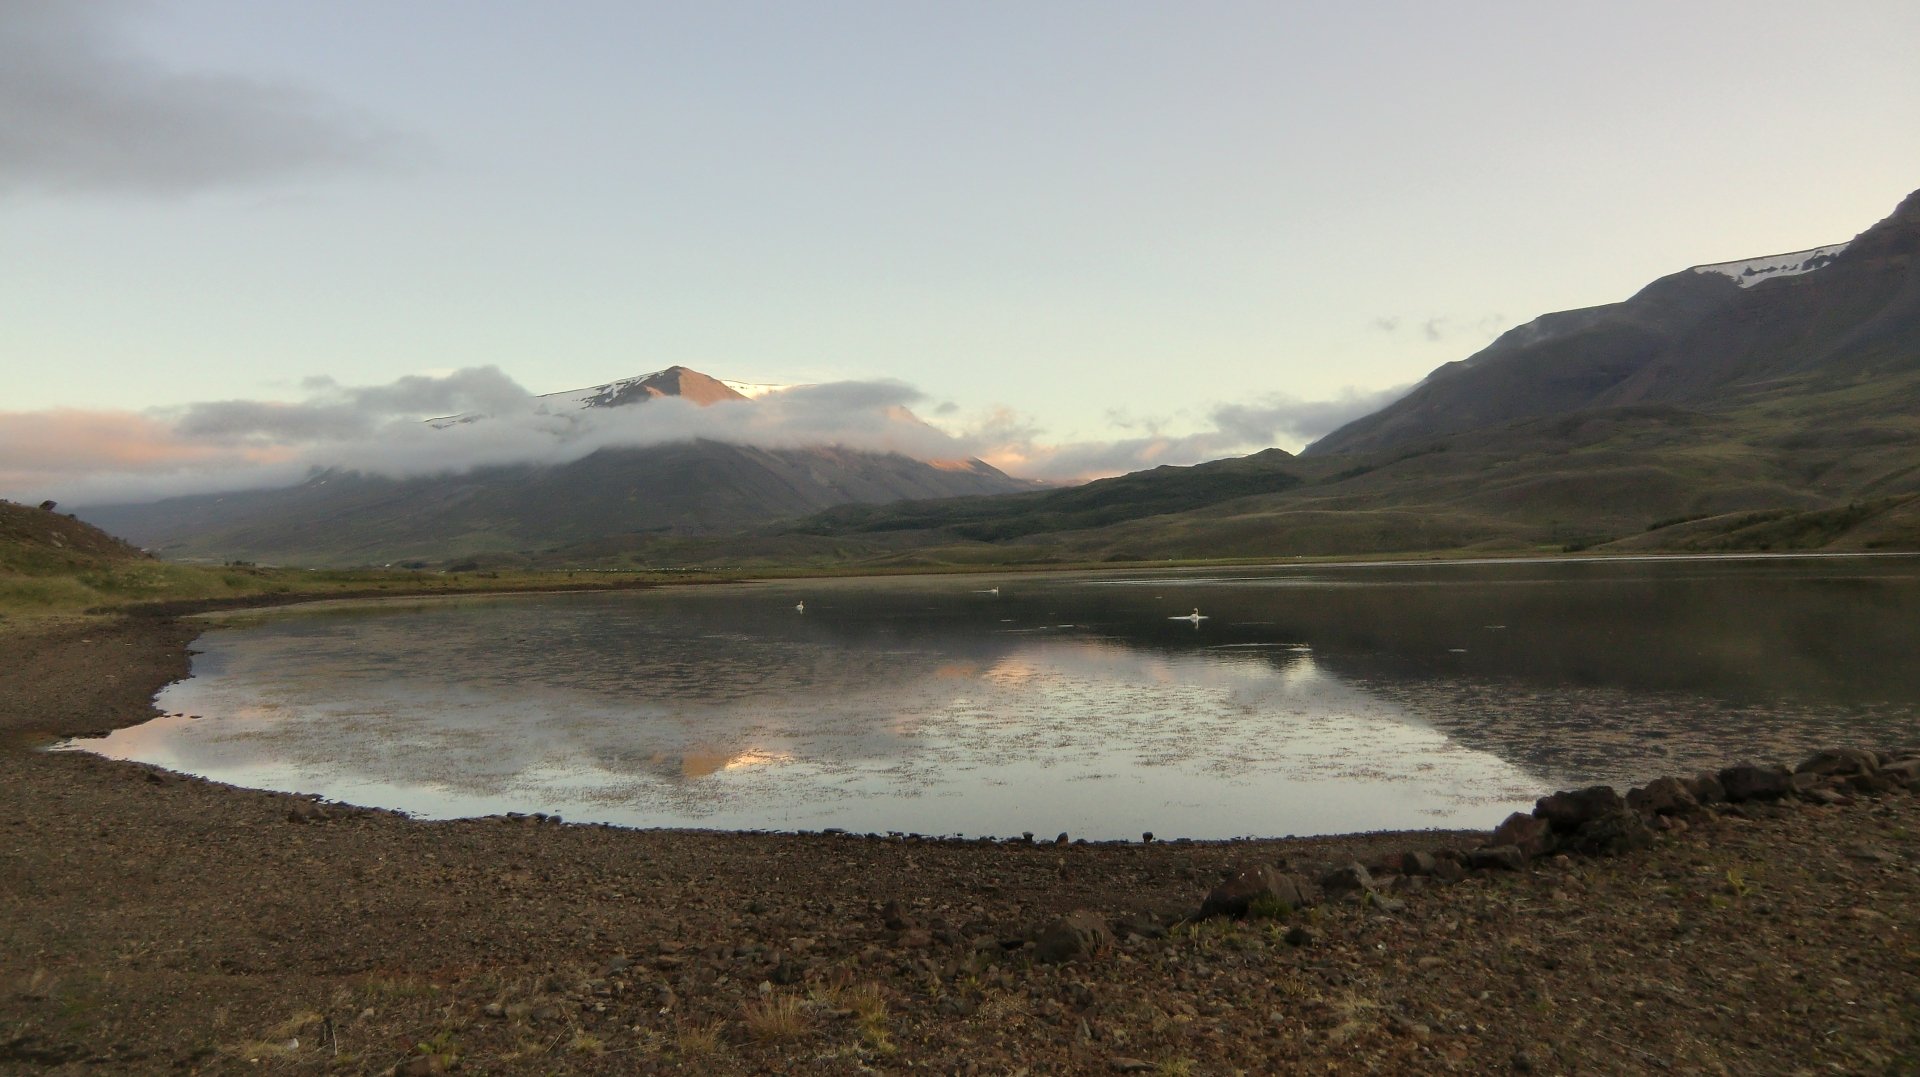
(1077, 232)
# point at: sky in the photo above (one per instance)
(1076, 237)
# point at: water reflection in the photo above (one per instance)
(1305, 703)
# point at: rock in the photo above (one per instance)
(306, 811)
(1527, 833)
(1121, 1064)
(1706, 789)
(1873, 854)
(1140, 925)
(1830, 797)
(1449, 871)
(1750, 782)
(1077, 934)
(1567, 811)
(1061, 838)
(1663, 796)
(1612, 834)
(1346, 879)
(1497, 858)
(1147, 837)
(1301, 935)
(1839, 762)
(895, 917)
(1872, 784)
(1263, 884)
(1904, 771)
(1416, 863)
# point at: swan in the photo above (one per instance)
(1196, 617)
(799, 607)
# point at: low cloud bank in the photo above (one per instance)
(102, 457)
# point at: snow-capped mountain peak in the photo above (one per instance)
(1748, 272)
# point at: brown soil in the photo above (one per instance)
(153, 923)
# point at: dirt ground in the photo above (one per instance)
(151, 923)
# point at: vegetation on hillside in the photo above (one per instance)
(51, 563)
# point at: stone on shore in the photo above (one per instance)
(1527, 833)
(1347, 879)
(1748, 781)
(1663, 796)
(1612, 834)
(1569, 810)
(1079, 934)
(1839, 762)
(1497, 858)
(1240, 892)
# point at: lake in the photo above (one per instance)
(1307, 700)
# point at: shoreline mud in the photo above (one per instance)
(158, 923)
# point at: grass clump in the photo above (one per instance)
(779, 1019)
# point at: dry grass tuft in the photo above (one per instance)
(698, 1040)
(780, 1019)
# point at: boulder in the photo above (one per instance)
(306, 811)
(1751, 782)
(1567, 811)
(1872, 783)
(1076, 935)
(1839, 762)
(895, 917)
(1525, 832)
(1663, 796)
(1706, 789)
(1244, 888)
(1904, 771)
(1612, 834)
(1415, 863)
(1346, 879)
(1497, 858)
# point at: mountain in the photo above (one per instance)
(685, 487)
(1709, 337)
(1766, 403)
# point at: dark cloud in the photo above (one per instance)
(80, 111)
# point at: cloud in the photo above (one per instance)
(1277, 419)
(98, 457)
(1439, 328)
(81, 111)
(94, 457)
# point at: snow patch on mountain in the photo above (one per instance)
(754, 390)
(1748, 272)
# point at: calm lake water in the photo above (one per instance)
(1309, 700)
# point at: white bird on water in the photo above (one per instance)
(1196, 617)
(799, 607)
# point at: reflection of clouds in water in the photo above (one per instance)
(1086, 729)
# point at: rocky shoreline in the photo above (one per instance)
(1755, 920)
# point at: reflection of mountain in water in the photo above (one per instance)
(708, 705)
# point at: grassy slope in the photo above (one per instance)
(51, 564)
